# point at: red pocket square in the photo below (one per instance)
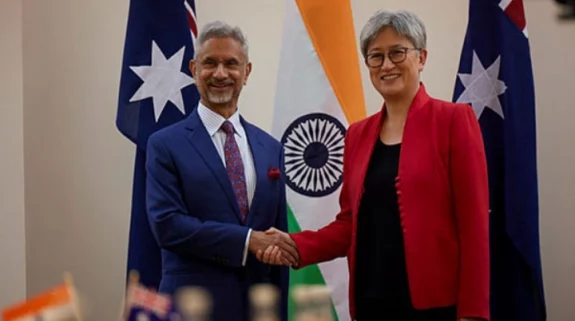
(274, 173)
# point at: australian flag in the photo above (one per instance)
(142, 304)
(156, 90)
(495, 77)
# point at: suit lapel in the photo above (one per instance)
(202, 142)
(260, 163)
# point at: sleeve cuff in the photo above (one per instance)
(246, 246)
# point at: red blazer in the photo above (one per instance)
(443, 203)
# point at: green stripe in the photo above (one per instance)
(307, 275)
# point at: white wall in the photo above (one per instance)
(12, 237)
(79, 168)
(552, 48)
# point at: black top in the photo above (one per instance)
(381, 276)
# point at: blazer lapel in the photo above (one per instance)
(362, 154)
(260, 163)
(202, 142)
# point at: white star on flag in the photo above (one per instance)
(482, 87)
(163, 80)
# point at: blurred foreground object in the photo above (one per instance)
(568, 9)
(194, 304)
(60, 303)
(264, 302)
(142, 304)
(313, 303)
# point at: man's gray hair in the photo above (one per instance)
(405, 23)
(220, 29)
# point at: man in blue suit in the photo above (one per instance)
(214, 183)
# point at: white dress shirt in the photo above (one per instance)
(213, 123)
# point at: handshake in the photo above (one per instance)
(274, 247)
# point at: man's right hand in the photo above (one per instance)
(276, 244)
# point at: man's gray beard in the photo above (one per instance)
(220, 98)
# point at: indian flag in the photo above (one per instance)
(59, 303)
(319, 93)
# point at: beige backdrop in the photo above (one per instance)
(12, 223)
(59, 69)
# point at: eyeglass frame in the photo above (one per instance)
(388, 55)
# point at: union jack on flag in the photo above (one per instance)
(144, 304)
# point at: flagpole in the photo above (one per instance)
(69, 281)
(133, 279)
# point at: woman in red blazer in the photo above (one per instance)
(414, 201)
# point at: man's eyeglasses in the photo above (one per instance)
(396, 55)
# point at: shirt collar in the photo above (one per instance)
(213, 121)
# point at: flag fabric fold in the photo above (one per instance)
(156, 90)
(319, 94)
(495, 77)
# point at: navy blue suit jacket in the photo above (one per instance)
(194, 216)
